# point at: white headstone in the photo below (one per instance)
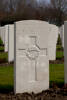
(11, 44)
(52, 42)
(6, 39)
(0, 32)
(65, 52)
(62, 35)
(3, 34)
(31, 59)
(59, 30)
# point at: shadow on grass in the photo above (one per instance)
(58, 84)
(9, 88)
(6, 88)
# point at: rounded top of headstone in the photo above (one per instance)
(25, 21)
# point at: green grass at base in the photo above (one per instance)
(4, 55)
(57, 73)
(6, 79)
(1, 42)
(59, 47)
(6, 76)
(1, 48)
(59, 54)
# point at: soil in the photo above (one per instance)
(3, 60)
(1, 51)
(60, 49)
(6, 64)
(51, 94)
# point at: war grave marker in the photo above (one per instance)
(53, 30)
(6, 39)
(31, 68)
(11, 43)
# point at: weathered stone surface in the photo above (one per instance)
(11, 43)
(31, 69)
(3, 34)
(6, 39)
(65, 52)
(62, 35)
(53, 30)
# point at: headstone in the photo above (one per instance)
(0, 32)
(62, 35)
(31, 56)
(6, 39)
(53, 37)
(65, 52)
(11, 44)
(3, 34)
(59, 30)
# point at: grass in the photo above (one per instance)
(6, 73)
(58, 47)
(57, 73)
(59, 54)
(1, 45)
(1, 48)
(4, 55)
(6, 78)
(1, 42)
